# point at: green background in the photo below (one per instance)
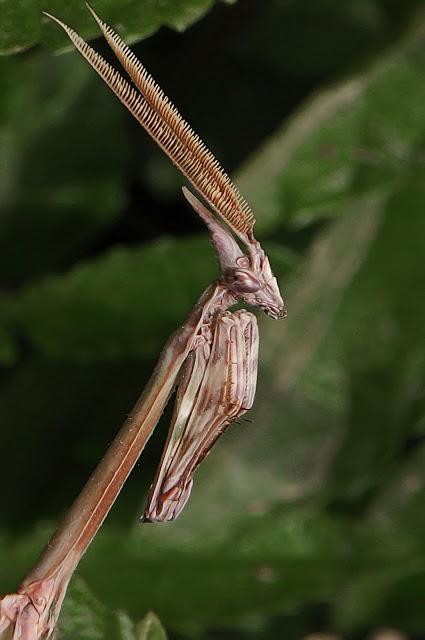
(309, 517)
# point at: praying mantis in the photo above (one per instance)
(212, 358)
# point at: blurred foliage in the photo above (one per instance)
(310, 517)
(23, 24)
(83, 617)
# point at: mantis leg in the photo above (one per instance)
(31, 613)
(217, 387)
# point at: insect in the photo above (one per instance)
(212, 358)
(218, 378)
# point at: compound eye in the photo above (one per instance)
(243, 282)
(243, 262)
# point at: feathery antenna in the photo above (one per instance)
(165, 125)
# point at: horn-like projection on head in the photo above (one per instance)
(248, 276)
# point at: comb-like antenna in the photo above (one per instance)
(166, 126)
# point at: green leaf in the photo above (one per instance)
(391, 574)
(59, 187)
(23, 25)
(20, 25)
(383, 336)
(8, 348)
(150, 628)
(123, 304)
(334, 34)
(359, 136)
(125, 626)
(266, 564)
(82, 616)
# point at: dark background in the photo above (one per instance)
(309, 517)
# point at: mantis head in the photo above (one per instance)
(248, 276)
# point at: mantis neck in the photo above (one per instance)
(216, 299)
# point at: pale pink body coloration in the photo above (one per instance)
(212, 356)
(220, 376)
(217, 387)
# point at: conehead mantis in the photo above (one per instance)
(212, 358)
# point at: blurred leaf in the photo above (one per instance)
(125, 626)
(23, 25)
(67, 413)
(390, 580)
(359, 136)
(266, 564)
(150, 628)
(51, 209)
(382, 331)
(397, 514)
(311, 38)
(19, 25)
(83, 616)
(126, 303)
(8, 348)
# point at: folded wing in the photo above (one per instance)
(218, 386)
